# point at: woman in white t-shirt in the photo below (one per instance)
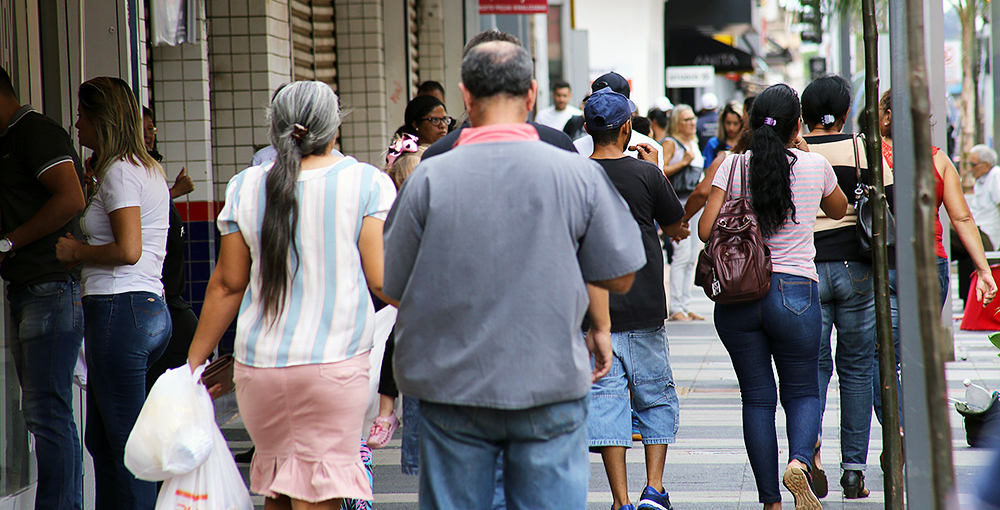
(787, 186)
(126, 322)
(301, 246)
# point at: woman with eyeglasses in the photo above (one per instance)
(683, 164)
(426, 119)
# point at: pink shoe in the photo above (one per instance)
(382, 431)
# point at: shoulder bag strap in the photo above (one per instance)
(732, 173)
(857, 158)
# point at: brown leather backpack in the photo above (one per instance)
(735, 266)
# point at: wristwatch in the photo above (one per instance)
(6, 246)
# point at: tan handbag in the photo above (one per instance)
(735, 265)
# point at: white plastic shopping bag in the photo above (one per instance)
(215, 485)
(385, 319)
(173, 434)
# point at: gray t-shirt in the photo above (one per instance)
(488, 247)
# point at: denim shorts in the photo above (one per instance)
(641, 361)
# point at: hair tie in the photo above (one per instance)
(770, 122)
(828, 120)
(299, 131)
(405, 143)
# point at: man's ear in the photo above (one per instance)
(532, 95)
(467, 98)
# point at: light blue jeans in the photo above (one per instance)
(847, 301)
(943, 282)
(544, 449)
(641, 360)
(48, 320)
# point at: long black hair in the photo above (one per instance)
(825, 100)
(773, 123)
(305, 116)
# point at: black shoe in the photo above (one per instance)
(853, 483)
(245, 457)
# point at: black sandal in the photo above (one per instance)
(820, 485)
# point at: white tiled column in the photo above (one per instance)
(249, 57)
(181, 106)
(361, 79)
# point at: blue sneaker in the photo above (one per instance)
(627, 506)
(653, 500)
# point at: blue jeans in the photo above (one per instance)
(943, 282)
(546, 463)
(785, 325)
(48, 333)
(641, 360)
(409, 462)
(125, 334)
(847, 300)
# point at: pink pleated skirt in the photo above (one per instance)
(306, 422)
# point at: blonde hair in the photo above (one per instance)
(116, 116)
(673, 127)
(404, 165)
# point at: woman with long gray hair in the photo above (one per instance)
(299, 273)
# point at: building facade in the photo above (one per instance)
(210, 96)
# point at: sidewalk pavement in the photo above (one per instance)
(707, 468)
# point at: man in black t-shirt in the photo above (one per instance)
(638, 336)
(546, 134)
(40, 197)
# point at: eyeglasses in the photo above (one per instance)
(439, 121)
(692, 119)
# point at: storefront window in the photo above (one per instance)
(17, 459)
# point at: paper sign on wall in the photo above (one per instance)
(513, 6)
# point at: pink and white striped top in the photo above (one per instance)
(792, 247)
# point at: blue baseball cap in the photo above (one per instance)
(607, 110)
(617, 82)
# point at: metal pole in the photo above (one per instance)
(929, 474)
(892, 481)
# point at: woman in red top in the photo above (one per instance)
(947, 190)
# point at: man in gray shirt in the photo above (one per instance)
(496, 250)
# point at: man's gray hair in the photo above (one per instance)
(985, 154)
(495, 68)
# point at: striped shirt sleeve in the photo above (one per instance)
(226, 220)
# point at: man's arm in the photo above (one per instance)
(66, 202)
(619, 285)
(599, 335)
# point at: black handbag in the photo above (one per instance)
(863, 206)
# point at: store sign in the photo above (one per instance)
(689, 77)
(513, 6)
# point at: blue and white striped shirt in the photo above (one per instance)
(328, 315)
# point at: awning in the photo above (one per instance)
(687, 48)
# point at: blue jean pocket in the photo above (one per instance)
(150, 313)
(648, 353)
(861, 278)
(796, 295)
(46, 289)
(557, 419)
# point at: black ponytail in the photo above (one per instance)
(825, 100)
(773, 122)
